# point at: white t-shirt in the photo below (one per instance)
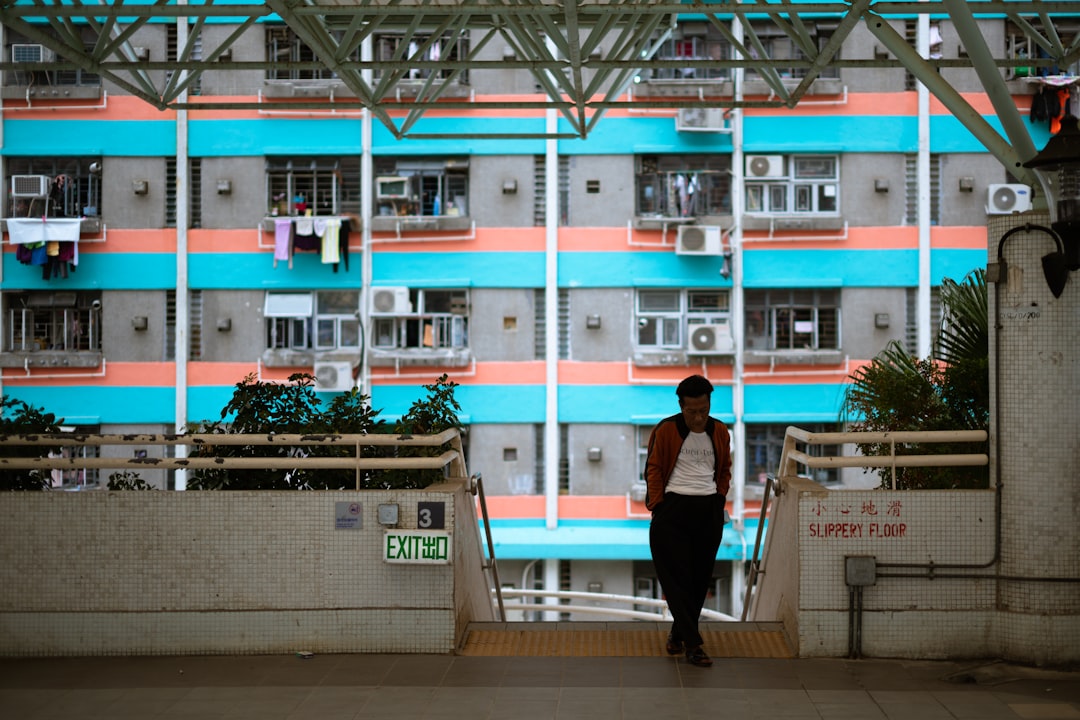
(694, 472)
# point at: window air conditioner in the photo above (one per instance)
(711, 339)
(31, 54)
(764, 166)
(333, 376)
(699, 240)
(30, 186)
(700, 119)
(390, 300)
(1007, 199)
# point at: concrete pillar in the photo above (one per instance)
(1035, 446)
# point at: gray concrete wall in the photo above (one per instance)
(502, 325)
(249, 47)
(614, 204)
(246, 338)
(120, 206)
(861, 44)
(615, 472)
(960, 207)
(489, 206)
(613, 340)
(860, 203)
(246, 205)
(859, 306)
(488, 445)
(120, 341)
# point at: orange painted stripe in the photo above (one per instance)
(490, 239)
(117, 107)
(117, 374)
(959, 237)
(624, 373)
(578, 507)
(485, 373)
(132, 241)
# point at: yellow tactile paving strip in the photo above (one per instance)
(618, 643)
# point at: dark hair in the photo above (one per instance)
(694, 386)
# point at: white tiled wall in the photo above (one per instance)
(224, 572)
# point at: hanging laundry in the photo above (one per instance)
(304, 238)
(283, 240)
(331, 251)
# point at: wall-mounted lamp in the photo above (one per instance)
(1055, 265)
(594, 454)
(388, 514)
(509, 187)
(140, 322)
(881, 185)
(224, 187)
(881, 320)
(725, 267)
(967, 184)
(224, 324)
(1058, 170)
(140, 187)
(593, 322)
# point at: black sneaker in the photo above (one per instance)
(696, 656)
(674, 647)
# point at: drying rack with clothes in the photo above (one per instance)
(326, 235)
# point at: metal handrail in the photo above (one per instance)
(490, 564)
(790, 458)
(661, 605)
(453, 459)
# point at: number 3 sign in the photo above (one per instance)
(431, 515)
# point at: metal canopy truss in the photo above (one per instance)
(583, 54)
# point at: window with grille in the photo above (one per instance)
(697, 42)
(283, 46)
(778, 45)
(195, 325)
(439, 319)
(792, 320)
(683, 185)
(424, 48)
(665, 318)
(324, 185)
(765, 443)
(321, 320)
(74, 186)
(540, 190)
(173, 52)
(19, 49)
(786, 185)
(64, 322)
(911, 326)
(418, 187)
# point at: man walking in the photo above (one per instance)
(688, 473)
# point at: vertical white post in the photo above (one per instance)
(366, 205)
(922, 183)
(183, 205)
(551, 325)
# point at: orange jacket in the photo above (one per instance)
(664, 444)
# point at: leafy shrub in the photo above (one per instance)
(19, 418)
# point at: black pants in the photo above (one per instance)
(684, 537)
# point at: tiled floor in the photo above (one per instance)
(336, 687)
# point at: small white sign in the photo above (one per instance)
(348, 516)
(418, 547)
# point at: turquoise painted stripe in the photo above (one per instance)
(236, 271)
(793, 404)
(457, 269)
(480, 403)
(118, 138)
(954, 264)
(205, 402)
(101, 404)
(622, 135)
(98, 271)
(597, 540)
(638, 269)
(274, 136)
(634, 404)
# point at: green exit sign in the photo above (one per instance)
(418, 547)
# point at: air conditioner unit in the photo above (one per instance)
(31, 54)
(30, 186)
(390, 300)
(764, 166)
(698, 240)
(711, 339)
(333, 376)
(700, 119)
(1007, 199)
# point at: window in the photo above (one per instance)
(780, 46)
(765, 443)
(793, 319)
(283, 46)
(57, 321)
(911, 189)
(417, 187)
(665, 317)
(793, 185)
(22, 50)
(323, 185)
(322, 320)
(74, 187)
(683, 185)
(696, 42)
(447, 47)
(438, 320)
(78, 478)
